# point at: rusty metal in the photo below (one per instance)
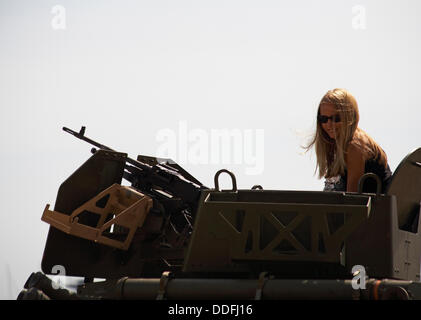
(127, 206)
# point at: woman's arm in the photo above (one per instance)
(355, 162)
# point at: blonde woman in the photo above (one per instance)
(344, 151)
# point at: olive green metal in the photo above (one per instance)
(388, 251)
(272, 226)
(246, 289)
(406, 186)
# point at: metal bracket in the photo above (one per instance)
(128, 206)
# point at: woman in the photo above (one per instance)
(344, 151)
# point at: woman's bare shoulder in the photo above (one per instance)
(355, 151)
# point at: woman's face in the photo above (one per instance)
(330, 120)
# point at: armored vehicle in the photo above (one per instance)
(167, 236)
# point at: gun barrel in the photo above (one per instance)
(146, 177)
(81, 135)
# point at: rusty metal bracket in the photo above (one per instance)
(127, 206)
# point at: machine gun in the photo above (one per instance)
(175, 191)
(151, 220)
(167, 182)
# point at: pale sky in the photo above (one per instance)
(137, 72)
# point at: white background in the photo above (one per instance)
(128, 69)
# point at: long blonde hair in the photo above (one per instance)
(331, 152)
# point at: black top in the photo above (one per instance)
(371, 165)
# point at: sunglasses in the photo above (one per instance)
(325, 119)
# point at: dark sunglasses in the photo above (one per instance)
(325, 119)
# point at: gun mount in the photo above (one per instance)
(167, 235)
